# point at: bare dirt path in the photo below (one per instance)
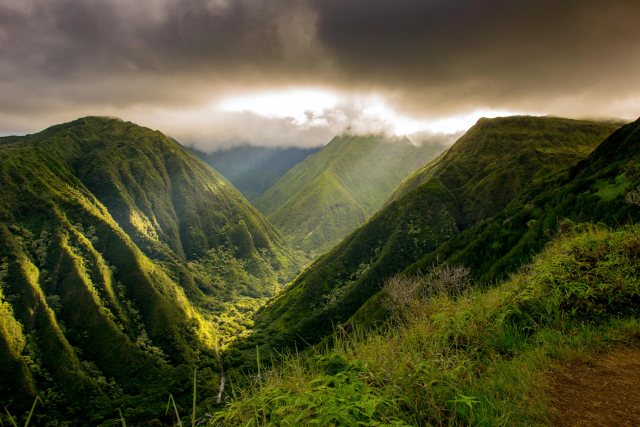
(605, 392)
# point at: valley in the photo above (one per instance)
(331, 193)
(465, 187)
(254, 170)
(127, 262)
(354, 213)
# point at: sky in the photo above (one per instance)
(217, 73)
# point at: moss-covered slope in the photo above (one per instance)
(492, 161)
(331, 193)
(118, 248)
(472, 181)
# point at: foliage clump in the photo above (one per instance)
(404, 296)
(476, 358)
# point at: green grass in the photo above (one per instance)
(26, 423)
(496, 161)
(475, 358)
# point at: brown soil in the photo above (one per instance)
(604, 392)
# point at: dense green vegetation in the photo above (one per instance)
(253, 170)
(594, 190)
(467, 357)
(124, 262)
(470, 183)
(333, 192)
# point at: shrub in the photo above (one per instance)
(406, 297)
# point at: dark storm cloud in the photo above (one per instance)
(485, 52)
(120, 52)
(105, 37)
(432, 57)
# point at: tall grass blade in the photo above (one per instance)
(124, 423)
(264, 412)
(233, 391)
(11, 418)
(193, 417)
(171, 399)
(32, 409)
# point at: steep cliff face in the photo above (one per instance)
(117, 249)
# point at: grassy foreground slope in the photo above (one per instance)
(334, 287)
(467, 358)
(119, 250)
(334, 191)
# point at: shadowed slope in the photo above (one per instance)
(593, 190)
(253, 170)
(497, 157)
(473, 180)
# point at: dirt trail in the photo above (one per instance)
(605, 392)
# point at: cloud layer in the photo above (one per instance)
(60, 59)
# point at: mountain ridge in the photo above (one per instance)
(329, 194)
(123, 260)
(253, 169)
(337, 284)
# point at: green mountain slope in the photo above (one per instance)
(594, 190)
(119, 250)
(334, 191)
(468, 359)
(472, 181)
(472, 167)
(253, 170)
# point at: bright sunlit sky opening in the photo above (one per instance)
(289, 103)
(320, 108)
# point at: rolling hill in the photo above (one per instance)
(470, 183)
(120, 254)
(334, 191)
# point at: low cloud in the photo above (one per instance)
(427, 59)
(307, 129)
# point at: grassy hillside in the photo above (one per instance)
(466, 357)
(485, 169)
(492, 161)
(123, 258)
(594, 190)
(331, 193)
(253, 170)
